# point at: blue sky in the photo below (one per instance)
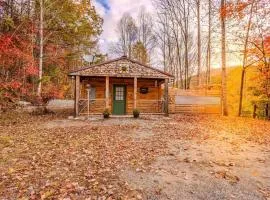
(111, 11)
(105, 4)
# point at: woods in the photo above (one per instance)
(191, 44)
(135, 99)
(136, 37)
(40, 42)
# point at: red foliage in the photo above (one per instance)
(17, 61)
(260, 53)
(51, 92)
(233, 9)
(31, 70)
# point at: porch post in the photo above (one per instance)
(77, 96)
(107, 95)
(166, 97)
(135, 93)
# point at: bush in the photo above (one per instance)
(106, 113)
(136, 113)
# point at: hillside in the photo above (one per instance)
(233, 85)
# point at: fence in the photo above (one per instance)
(95, 106)
(195, 101)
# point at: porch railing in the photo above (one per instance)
(95, 106)
(150, 106)
(98, 106)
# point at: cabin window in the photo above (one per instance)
(92, 94)
(119, 93)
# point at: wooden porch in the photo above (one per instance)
(151, 102)
(94, 106)
(120, 85)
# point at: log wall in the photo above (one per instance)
(146, 103)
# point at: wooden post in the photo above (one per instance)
(166, 97)
(267, 111)
(107, 95)
(135, 93)
(88, 101)
(77, 96)
(254, 111)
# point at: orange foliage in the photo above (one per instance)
(233, 9)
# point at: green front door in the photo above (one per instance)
(119, 100)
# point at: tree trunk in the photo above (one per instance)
(40, 49)
(223, 60)
(244, 62)
(199, 43)
(208, 73)
(186, 65)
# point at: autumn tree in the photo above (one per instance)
(177, 39)
(245, 65)
(146, 34)
(198, 6)
(17, 64)
(127, 31)
(223, 58)
(133, 33)
(42, 40)
(139, 53)
(209, 48)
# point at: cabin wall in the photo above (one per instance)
(146, 103)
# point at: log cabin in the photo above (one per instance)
(120, 85)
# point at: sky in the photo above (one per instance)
(111, 11)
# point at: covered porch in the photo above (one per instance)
(121, 95)
(120, 85)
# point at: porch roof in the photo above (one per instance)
(122, 67)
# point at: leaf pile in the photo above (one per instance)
(77, 162)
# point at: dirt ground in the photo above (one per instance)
(154, 157)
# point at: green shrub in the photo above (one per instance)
(136, 113)
(106, 113)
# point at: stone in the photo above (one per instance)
(23, 103)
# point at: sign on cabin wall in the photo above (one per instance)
(143, 90)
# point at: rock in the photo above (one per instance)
(23, 103)
(261, 160)
(110, 192)
(110, 186)
(138, 170)
(60, 105)
(139, 196)
(171, 154)
(228, 176)
(31, 190)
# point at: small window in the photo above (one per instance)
(119, 93)
(92, 94)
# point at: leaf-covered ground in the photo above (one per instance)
(154, 157)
